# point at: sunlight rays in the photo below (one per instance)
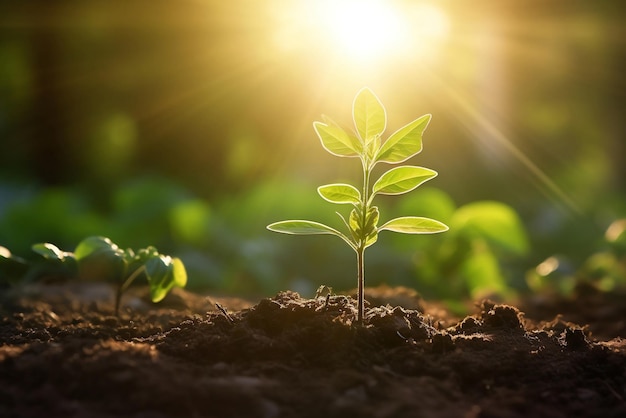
(486, 131)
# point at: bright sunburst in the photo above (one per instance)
(362, 30)
(366, 28)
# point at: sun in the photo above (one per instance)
(362, 31)
(365, 28)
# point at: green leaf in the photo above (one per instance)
(159, 271)
(495, 222)
(92, 245)
(337, 141)
(340, 193)
(369, 115)
(404, 143)
(179, 272)
(163, 273)
(371, 149)
(100, 259)
(371, 231)
(302, 227)
(354, 221)
(103, 265)
(371, 239)
(402, 180)
(414, 225)
(371, 220)
(49, 251)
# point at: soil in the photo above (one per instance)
(62, 354)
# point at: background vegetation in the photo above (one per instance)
(187, 126)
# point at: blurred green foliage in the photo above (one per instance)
(486, 253)
(97, 259)
(604, 268)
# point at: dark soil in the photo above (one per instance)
(63, 355)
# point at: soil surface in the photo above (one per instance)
(62, 354)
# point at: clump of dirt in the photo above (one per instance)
(289, 356)
(604, 312)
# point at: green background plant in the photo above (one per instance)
(97, 258)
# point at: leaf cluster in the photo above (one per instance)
(366, 143)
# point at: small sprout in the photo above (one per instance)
(323, 289)
(365, 143)
(101, 259)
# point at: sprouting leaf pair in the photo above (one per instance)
(370, 120)
(365, 143)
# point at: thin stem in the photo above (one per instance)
(361, 290)
(366, 185)
(122, 288)
(360, 251)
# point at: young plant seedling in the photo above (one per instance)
(99, 258)
(370, 121)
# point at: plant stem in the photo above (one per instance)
(360, 252)
(361, 289)
(122, 288)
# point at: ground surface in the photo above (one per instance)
(63, 355)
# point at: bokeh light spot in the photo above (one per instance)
(190, 221)
(113, 146)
